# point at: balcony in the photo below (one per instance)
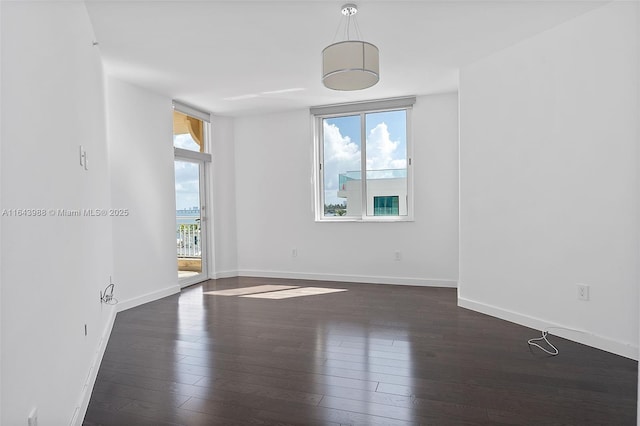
(386, 192)
(188, 244)
(345, 178)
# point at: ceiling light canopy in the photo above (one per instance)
(350, 64)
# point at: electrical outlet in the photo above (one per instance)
(398, 255)
(583, 292)
(294, 252)
(85, 329)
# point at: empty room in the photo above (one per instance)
(319, 213)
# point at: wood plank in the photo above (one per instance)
(372, 355)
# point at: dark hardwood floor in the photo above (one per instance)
(373, 355)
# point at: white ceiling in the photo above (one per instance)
(226, 56)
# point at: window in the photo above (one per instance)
(190, 142)
(189, 128)
(188, 132)
(363, 161)
(386, 206)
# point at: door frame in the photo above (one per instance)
(203, 160)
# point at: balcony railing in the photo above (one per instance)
(343, 178)
(188, 237)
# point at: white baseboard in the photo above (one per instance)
(81, 410)
(148, 297)
(424, 282)
(588, 338)
(223, 274)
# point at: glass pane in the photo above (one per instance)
(188, 238)
(188, 132)
(386, 151)
(342, 166)
(385, 206)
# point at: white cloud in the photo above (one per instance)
(382, 152)
(342, 155)
(185, 141)
(187, 185)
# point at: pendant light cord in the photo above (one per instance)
(347, 28)
(357, 28)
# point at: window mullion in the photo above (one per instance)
(320, 147)
(363, 163)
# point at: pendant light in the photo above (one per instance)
(350, 64)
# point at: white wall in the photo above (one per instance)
(224, 256)
(52, 267)
(273, 162)
(2, 204)
(638, 180)
(141, 158)
(549, 184)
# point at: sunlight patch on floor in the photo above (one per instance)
(296, 292)
(249, 290)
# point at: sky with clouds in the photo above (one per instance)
(187, 175)
(386, 147)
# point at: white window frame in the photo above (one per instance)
(320, 113)
(204, 159)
